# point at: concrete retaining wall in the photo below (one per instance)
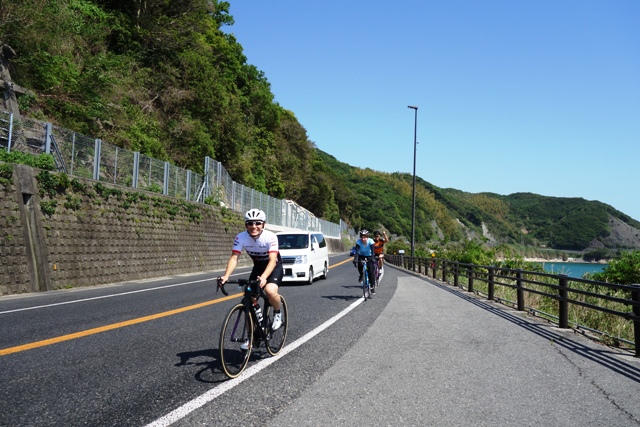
(99, 234)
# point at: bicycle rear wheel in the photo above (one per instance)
(236, 330)
(275, 339)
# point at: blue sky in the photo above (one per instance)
(514, 96)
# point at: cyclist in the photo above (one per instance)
(364, 253)
(262, 246)
(378, 247)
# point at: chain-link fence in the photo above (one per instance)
(91, 158)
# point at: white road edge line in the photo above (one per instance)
(212, 394)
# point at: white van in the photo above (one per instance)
(305, 255)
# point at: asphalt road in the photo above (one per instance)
(418, 353)
(127, 354)
(438, 356)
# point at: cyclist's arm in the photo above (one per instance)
(231, 265)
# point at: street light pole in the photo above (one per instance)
(413, 207)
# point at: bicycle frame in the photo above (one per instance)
(252, 292)
(366, 286)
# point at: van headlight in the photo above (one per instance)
(301, 259)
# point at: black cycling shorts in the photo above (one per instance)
(275, 277)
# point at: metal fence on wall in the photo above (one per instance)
(92, 158)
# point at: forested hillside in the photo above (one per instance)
(167, 79)
(162, 78)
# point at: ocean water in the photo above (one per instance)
(572, 269)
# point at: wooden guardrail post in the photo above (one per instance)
(519, 290)
(635, 297)
(492, 284)
(563, 303)
(456, 273)
(444, 270)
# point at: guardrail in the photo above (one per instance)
(91, 158)
(607, 309)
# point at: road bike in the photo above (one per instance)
(367, 287)
(376, 270)
(248, 323)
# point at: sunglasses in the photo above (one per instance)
(247, 223)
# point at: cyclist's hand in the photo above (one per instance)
(263, 282)
(221, 281)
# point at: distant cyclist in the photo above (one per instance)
(378, 247)
(364, 253)
(262, 246)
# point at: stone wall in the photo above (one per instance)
(68, 233)
(14, 271)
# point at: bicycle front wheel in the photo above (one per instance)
(366, 290)
(275, 339)
(237, 329)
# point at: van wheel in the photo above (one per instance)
(325, 271)
(310, 281)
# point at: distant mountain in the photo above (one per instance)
(378, 199)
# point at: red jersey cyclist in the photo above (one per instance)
(262, 246)
(378, 247)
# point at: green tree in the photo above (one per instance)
(624, 269)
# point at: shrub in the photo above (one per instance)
(623, 270)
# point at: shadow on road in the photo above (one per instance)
(342, 297)
(603, 356)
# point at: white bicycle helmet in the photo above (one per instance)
(364, 232)
(255, 215)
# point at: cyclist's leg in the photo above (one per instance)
(360, 266)
(277, 336)
(271, 288)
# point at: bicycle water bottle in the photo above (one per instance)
(258, 310)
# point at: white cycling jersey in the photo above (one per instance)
(258, 249)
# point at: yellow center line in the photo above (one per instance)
(30, 346)
(62, 338)
(342, 262)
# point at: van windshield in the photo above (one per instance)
(293, 241)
